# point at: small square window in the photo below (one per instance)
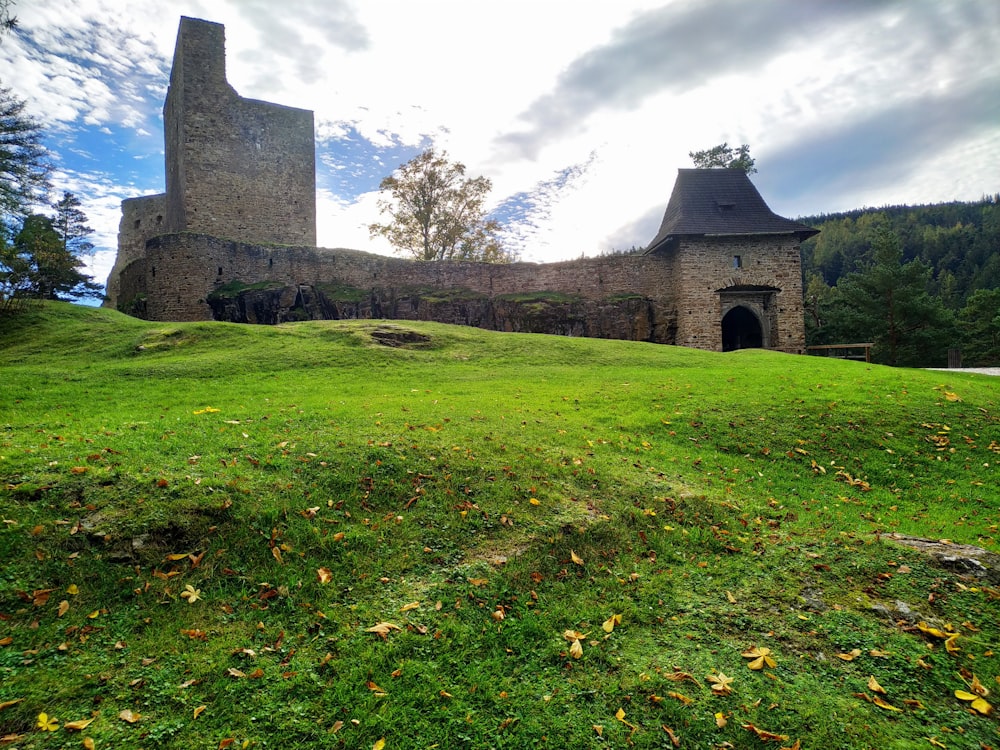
(737, 261)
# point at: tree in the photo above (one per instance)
(36, 266)
(726, 157)
(887, 302)
(70, 223)
(437, 213)
(24, 167)
(980, 327)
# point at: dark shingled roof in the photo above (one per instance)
(720, 202)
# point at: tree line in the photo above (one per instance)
(913, 280)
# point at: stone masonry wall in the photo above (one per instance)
(142, 218)
(707, 269)
(182, 270)
(235, 167)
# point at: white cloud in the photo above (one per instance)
(842, 103)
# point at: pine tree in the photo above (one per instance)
(887, 302)
(24, 167)
(70, 223)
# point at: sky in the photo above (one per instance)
(580, 112)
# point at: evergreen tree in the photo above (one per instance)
(24, 168)
(70, 223)
(35, 265)
(887, 302)
(980, 329)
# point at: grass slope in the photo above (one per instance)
(295, 537)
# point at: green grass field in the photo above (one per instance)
(297, 537)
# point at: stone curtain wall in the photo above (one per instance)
(706, 268)
(235, 167)
(182, 270)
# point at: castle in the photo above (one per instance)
(233, 238)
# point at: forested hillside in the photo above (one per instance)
(914, 280)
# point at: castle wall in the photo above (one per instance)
(142, 218)
(182, 270)
(707, 268)
(235, 167)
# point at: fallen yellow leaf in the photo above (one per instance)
(575, 649)
(199, 711)
(572, 635)
(63, 608)
(874, 686)
(980, 705)
(324, 575)
(720, 683)
(383, 628)
(575, 558)
(46, 723)
(674, 739)
(408, 607)
(380, 745)
(78, 726)
(978, 688)
(720, 720)
(88, 743)
(851, 655)
(882, 704)
(128, 715)
(761, 657)
(923, 627)
(609, 624)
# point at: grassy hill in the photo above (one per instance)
(339, 534)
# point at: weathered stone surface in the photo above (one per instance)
(964, 559)
(627, 317)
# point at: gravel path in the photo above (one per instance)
(979, 370)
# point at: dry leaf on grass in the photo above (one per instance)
(760, 657)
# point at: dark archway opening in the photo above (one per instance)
(741, 330)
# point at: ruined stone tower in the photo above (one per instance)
(236, 168)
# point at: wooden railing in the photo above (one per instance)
(858, 352)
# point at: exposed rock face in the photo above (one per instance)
(964, 559)
(630, 317)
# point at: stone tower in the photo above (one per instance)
(236, 168)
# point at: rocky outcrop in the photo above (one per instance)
(630, 317)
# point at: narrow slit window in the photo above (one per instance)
(737, 261)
